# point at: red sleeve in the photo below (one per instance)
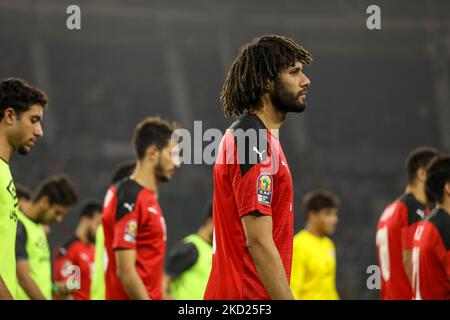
(253, 189)
(126, 226)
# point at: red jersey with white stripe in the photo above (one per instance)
(431, 258)
(395, 232)
(133, 220)
(248, 176)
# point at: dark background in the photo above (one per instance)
(375, 95)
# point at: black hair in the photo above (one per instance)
(315, 201)
(20, 96)
(438, 174)
(90, 208)
(59, 189)
(258, 62)
(419, 158)
(152, 131)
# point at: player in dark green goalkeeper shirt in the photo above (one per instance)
(21, 112)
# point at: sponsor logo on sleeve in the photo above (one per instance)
(264, 189)
(130, 231)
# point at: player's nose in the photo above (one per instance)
(38, 132)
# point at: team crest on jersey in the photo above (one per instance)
(264, 188)
(130, 231)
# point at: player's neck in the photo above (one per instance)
(144, 174)
(203, 233)
(269, 115)
(445, 205)
(313, 230)
(5, 148)
(418, 191)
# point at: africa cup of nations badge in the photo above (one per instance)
(130, 231)
(264, 188)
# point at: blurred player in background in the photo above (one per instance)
(314, 257)
(396, 227)
(54, 198)
(79, 251)
(24, 196)
(431, 247)
(189, 263)
(21, 112)
(253, 193)
(133, 223)
(122, 171)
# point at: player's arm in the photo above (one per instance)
(265, 255)
(182, 257)
(61, 290)
(299, 266)
(22, 266)
(128, 275)
(26, 282)
(4, 292)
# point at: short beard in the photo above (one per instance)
(22, 150)
(159, 173)
(284, 100)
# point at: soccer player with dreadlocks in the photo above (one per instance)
(253, 193)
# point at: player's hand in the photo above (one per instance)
(167, 296)
(63, 289)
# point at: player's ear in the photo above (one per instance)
(422, 174)
(10, 116)
(152, 152)
(447, 189)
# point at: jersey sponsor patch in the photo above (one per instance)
(264, 188)
(130, 231)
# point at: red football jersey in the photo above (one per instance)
(242, 186)
(76, 253)
(431, 258)
(395, 232)
(132, 219)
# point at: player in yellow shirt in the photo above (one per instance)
(313, 274)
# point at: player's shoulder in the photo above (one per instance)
(250, 137)
(128, 193)
(5, 170)
(441, 221)
(302, 238)
(248, 121)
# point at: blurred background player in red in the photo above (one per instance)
(121, 171)
(79, 251)
(55, 196)
(133, 223)
(314, 257)
(396, 227)
(253, 193)
(431, 248)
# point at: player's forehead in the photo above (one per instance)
(36, 110)
(297, 65)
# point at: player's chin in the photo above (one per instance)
(299, 108)
(24, 149)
